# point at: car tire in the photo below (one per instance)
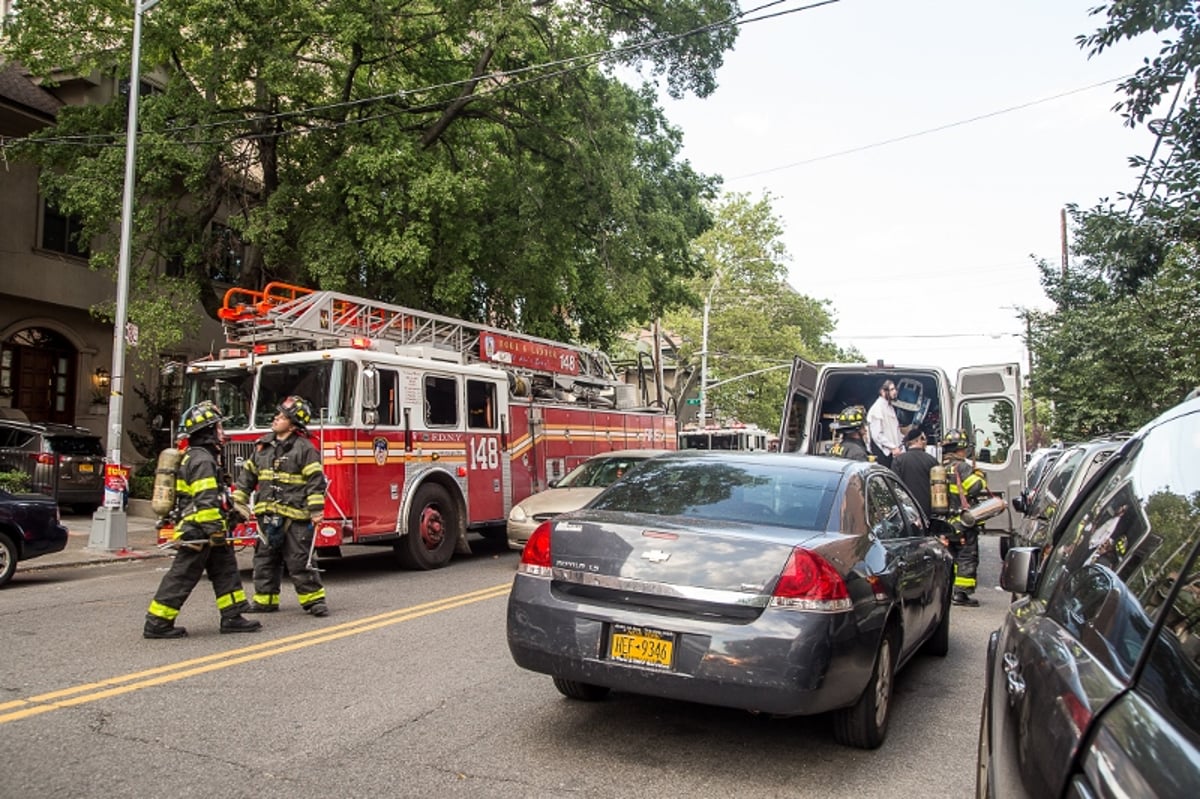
(938, 644)
(8, 558)
(580, 690)
(864, 724)
(432, 530)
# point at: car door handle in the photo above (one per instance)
(1014, 683)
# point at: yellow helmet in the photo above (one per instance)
(850, 418)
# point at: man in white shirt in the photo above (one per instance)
(883, 425)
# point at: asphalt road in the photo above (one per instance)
(407, 689)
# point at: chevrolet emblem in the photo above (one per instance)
(656, 555)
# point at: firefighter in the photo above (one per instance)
(204, 505)
(289, 497)
(965, 484)
(852, 447)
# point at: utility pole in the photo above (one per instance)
(1062, 217)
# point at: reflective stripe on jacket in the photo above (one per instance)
(285, 476)
(199, 492)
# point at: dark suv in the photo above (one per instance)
(63, 461)
(1093, 680)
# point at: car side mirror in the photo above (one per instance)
(1018, 503)
(370, 384)
(1020, 572)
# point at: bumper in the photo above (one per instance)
(784, 662)
(519, 532)
(56, 541)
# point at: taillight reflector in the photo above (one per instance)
(45, 458)
(809, 582)
(535, 557)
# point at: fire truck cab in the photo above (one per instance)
(428, 427)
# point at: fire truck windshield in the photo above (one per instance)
(327, 384)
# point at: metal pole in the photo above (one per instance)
(109, 524)
(704, 352)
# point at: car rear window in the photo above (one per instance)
(754, 493)
(77, 445)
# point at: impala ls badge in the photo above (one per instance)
(656, 555)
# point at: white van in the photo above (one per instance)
(984, 402)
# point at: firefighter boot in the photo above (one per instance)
(161, 628)
(318, 609)
(257, 608)
(965, 599)
(240, 624)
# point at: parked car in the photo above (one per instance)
(1093, 679)
(63, 461)
(573, 491)
(783, 584)
(1037, 467)
(29, 526)
(1061, 484)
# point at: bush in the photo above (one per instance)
(14, 482)
(141, 487)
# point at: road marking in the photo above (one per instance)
(17, 709)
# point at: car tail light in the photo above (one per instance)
(809, 582)
(535, 557)
(45, 458)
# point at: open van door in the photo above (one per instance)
(798, 402)
(988, 409)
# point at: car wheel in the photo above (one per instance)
(580, 690)
(432, 530)
(8, 558)
(864, 724)
(938, 644)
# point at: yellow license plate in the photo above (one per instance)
(643, 646)
(87, 467)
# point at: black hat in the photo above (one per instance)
(913, 435)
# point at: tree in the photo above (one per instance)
(756, 320)
(476, 159)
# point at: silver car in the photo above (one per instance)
(783, 584)
(577, 488)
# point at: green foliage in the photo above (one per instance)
(141, 487)
(468, 158)
(756, 320)
(14, 482)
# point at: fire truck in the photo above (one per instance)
(429, 427)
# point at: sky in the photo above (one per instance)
(921, 246)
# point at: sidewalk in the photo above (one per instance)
(141, 541)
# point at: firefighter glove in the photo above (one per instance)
(217, 538)
(242, 510)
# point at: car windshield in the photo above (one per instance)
(77, 445)
(598, 472)
(751, 492)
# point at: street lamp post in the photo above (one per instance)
(704, 352)
(108, 524)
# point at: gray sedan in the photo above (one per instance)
(780, 584)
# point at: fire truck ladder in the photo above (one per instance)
(285, 313)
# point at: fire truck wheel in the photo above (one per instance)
(432, 529)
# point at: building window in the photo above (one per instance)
(61, 233)
(226, 253)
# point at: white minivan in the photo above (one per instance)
(984, 402)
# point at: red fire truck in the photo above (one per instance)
(429, 427)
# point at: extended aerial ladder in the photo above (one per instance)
(281, 312)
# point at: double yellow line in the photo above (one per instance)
(115, 686)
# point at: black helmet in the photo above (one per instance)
(851, 418)
(200, 416)
(297, 410)
(954, 440)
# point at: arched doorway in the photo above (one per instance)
(38, 374)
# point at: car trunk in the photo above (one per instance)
(648, 561)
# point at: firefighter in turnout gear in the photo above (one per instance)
(852, 447)
(204, 507)
(965, 484)
(285, 476)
